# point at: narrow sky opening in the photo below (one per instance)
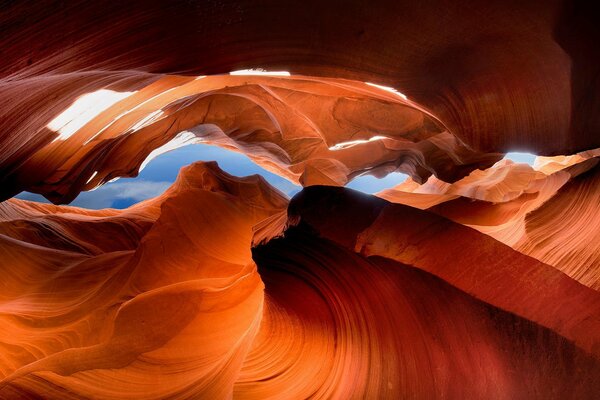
(162, 171)
(521, 157)
(370, 184)
(259, 71)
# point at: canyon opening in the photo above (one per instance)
(291, 200)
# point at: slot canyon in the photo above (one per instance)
(474, 277)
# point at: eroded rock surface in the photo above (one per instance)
(476, 278)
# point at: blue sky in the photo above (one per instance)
(161, 172)
(370, 184)
(520, 157)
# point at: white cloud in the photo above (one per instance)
(104, 196)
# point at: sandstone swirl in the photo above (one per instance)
(171, 313)
(550, 212)
(309, 130)
(477, 278)
(175, 306)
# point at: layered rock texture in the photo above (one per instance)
(478, 277)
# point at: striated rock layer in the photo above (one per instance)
(500, 74)
(347, 326)
(361, 298)
(309, 130)
(550, 212)
(489, 76)
(476, 278)
(171, 313)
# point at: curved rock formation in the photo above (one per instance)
(476, 278)
(473, 262)
(312, 131)
(183, 301)
(500, 74)
(549, 212)
(389, 330)
(179, 310)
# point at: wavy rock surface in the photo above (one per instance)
(549, 212)
(181, 310)
(309, 130)
(477, 279)
(524, 79)
(172, 315)
(500, 74)
(339, 325)
(467, 259)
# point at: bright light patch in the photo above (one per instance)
(352, 143)
(525, 158)
(83, 110)
(388, 89)
(370, 184)
(147, 120)
(182, 139)
(92, 177)
(259, 71)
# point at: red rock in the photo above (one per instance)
(473, 279)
